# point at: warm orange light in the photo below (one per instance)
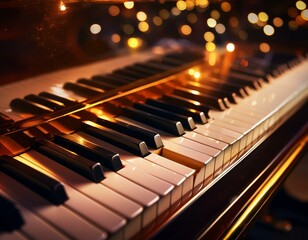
(209, 36)
(215, 14)
(191, 71)
(141, 16)
(114, 10)
(157, 21)
(230, 47)
(197, 75)
(225, 6)
(129, 4)
(210, 46)
(62, 7)
(181, 5)
(192, 18)
(143, 26)
(116, 38)
(304, 14)
(278, 22)
(264, 47)
(300, 5)
(134, 42)
(185, 29)
(211, 22)
(263, 17)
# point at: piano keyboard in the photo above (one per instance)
(121, 165)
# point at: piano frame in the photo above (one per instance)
(221, 211)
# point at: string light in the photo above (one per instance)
(181, 5)
(264, 47)
(116, 38)
(278, 22)
(252, 18)
(211, 22)
(114, 10)
(157, 21)
(129, 4)
(300, 5)
(141, 16)
(62, 6)
(134, 42)
(185, 30)
(263, 17)
(225, 6)
(143, 26)
(210, 46)
(209, 36)
(304, 14)
(220, 28)
(268, 30)
(95, 28)
(230, 47)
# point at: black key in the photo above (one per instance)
(245, 81)
(90, 150)
(230, 95)
(5, 120)
(85, 167)
(214, 102)
(209, 93)
(52, 104)
(147, 71)
(257, 73)
(153, 66)
(26, 106)
(82, 90)
(40, 183)
(151, 138)
(225, 86)
(65, 101)
(198, 116)
(123, 77)
(172, 127)
(188, 103)
(171, 63)
(10, 217)
(130, 73)
(121, 140)
(187, 122)
(96, 84)
(109, 79)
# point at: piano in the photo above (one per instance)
(146, 119)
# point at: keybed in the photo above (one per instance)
(127, 162)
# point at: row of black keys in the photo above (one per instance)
(155, 112)
(171, 113)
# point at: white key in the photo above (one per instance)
(57, 216)
(80, 190)
(176, 167)
(34, 227)
(182, 157)
(147, 199)
(222, 156)
(160, 187)
(156, 170)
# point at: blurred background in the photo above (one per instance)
(37, 36)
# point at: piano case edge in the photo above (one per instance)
(226, 209)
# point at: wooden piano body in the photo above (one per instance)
(261, 133)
